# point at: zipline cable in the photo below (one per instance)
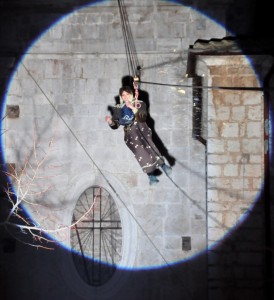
(237, 88)
(103, 175)
(240, 88)
(134, 66)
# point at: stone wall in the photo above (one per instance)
(63, 87)
(235, 174)
(69, 75)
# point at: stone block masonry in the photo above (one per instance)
(235, 172)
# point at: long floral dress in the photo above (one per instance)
(138, 136)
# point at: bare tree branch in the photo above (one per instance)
(25, 180)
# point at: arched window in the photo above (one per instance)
(96, 238)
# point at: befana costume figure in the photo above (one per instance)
(131, 113)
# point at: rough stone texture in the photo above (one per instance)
(234, 135)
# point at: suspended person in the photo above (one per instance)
(131, 113)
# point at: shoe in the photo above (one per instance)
(167, 169)
(153, 180)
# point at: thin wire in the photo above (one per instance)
(131, 71)
(125, 38)
(126, 34)
(244, 88)
(89, 156)
(128, 40)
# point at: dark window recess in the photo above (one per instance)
(186, 243)
(13, 111)
(96, 238)
(197, 97)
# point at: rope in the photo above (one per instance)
(133, 63)
(132, 59)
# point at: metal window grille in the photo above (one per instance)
(96, 238)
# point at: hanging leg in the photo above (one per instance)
(167, 169)
(152, 179)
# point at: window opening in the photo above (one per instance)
(96, 238)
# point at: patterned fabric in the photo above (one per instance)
(138, 138)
